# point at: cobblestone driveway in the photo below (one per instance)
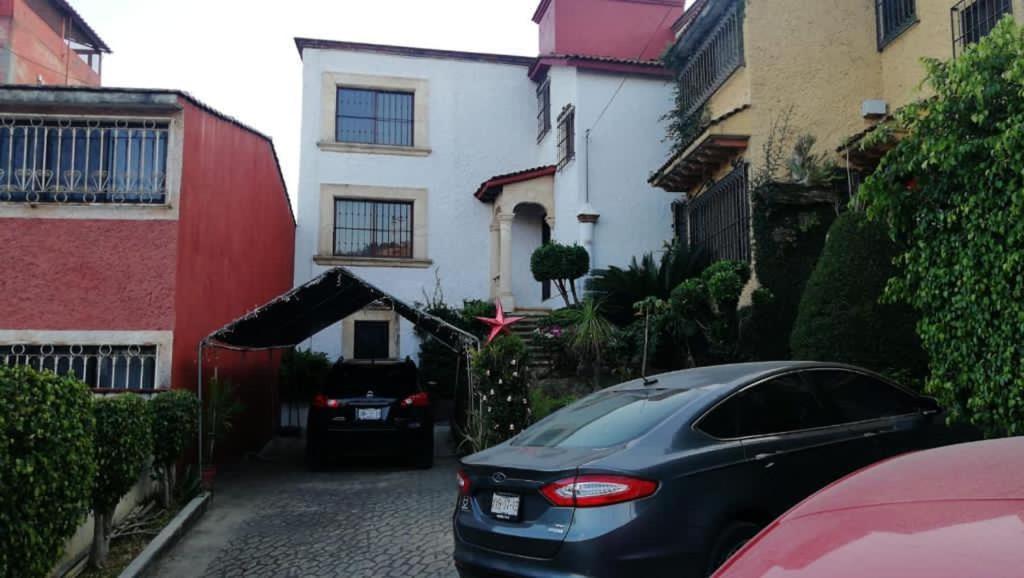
(276, 519)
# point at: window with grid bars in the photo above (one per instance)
(719, 218)
(374, 117)
(566, 135)
(128, 367)
(893, 17)
(368, 228)
(974, 19)
(543, 109)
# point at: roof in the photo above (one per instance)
(635, 66)
(410, 51)
(491, 188)
(943, 513)
(689, 15)
(729, 373)
(42, 89)
(77, 18)
(297, 315)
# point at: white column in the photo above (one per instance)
(587, 218)
(508, 300)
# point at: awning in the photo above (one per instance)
(306, 310)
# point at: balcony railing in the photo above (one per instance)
(719, 218)
(46, 159)
(713, 62)
(972, 20)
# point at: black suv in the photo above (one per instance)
(370, 408)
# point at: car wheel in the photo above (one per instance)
(731, 539)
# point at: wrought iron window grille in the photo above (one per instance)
(54, 159)
(893, 18)
(972, 20)
(375, 117)
(370, 228)
(566, 135)
(127, 367)
(719, 218)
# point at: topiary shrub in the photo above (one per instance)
(174, 416)
(840, 317)
(123, 444)
(562, 265)
(46, 467)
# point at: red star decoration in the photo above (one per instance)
(500, 323)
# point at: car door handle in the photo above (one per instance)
(766, 455)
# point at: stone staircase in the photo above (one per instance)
(540, 360)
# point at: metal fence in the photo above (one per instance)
(719, 218)
(713, 62)
(49, 159)
(972, 20)
(128, 367)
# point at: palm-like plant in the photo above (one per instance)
(619, 289)
(590, 334)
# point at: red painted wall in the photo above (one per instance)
(615, 28)
(87, 274)
(39, 49)
(235, 251)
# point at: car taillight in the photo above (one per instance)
(590, 491)
(321, 402)
(417, 400)
(463, 481)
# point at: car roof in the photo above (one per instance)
(943, 513)
(735, 374)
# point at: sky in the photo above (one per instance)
(239, 56)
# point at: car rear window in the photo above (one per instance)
(605, 419)
(384, 380)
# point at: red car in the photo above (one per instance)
(951, 512)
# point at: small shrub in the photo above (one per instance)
(46, 467)
(123, 444)
(501, 375)
(174, 416)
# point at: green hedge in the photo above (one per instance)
(174, 416)
(46, 467)
(125, 443)
(840, 317)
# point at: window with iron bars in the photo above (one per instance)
(719, 218)
(893, 17)
(566, 135)
(368, 228)
(712, 63)
(48, 159)
(972, 20)
(126, 367)
(543, 109)
(374, 117)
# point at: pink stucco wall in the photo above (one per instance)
(87, 274)
(616, 28)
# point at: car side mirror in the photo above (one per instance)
(929, 405)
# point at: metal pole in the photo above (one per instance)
(199, 392)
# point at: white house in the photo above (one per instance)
(423, 165)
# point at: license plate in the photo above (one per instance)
(368, 414)
(505, 506)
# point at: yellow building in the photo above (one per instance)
(831, 69)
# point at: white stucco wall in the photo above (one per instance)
(527, 229)
(481, 123)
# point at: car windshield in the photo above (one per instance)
(383, 380)
(605, 419)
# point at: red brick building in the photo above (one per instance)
(47, 42)
(132, 224)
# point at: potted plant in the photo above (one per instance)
(219, 414)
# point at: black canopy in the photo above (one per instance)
(307, 309)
